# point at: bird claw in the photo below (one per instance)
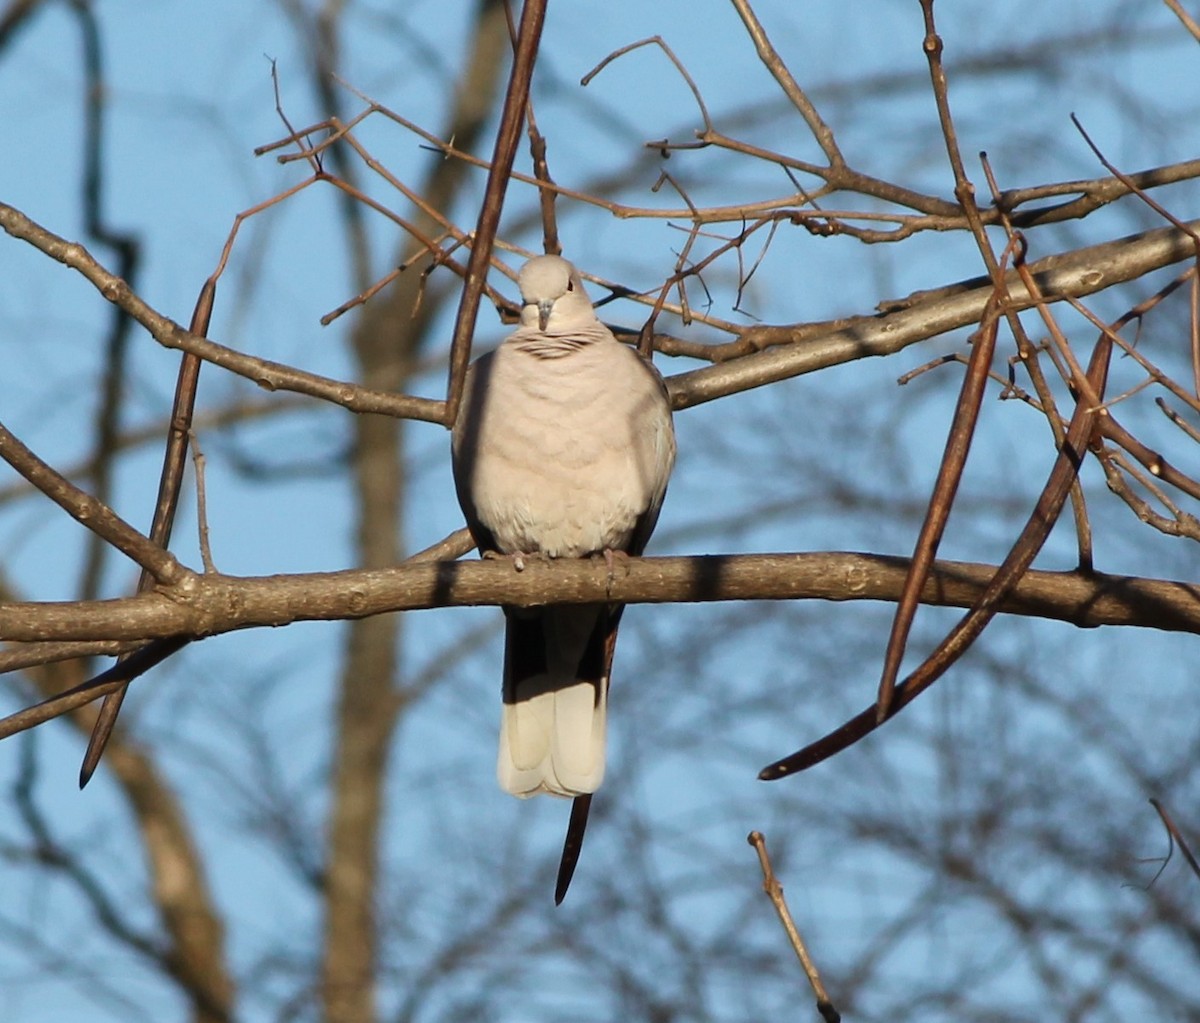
(611, 558)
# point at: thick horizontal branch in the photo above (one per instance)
(791, 350)
(215, 604)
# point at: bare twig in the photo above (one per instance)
(89, 512)
(1190, 23)
(1178, 420)
(169, 486)
(966, 413)
(679, 66)
(779, 71)
(1007, 577)
(1157, 375)
(774, 892)
(449, 548)
(1027, 354)
(116, 678)
(15, 17)
(941, 501)
(1154, 462)
(1116, 467)
(546, 195)
(1167, 215)
(771, 353)
(1175, 836)
(20, 656)
(533, 14)
(202, 507)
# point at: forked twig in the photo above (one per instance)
(1027, 354)
(1167, 215)
(263, 372)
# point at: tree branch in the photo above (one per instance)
(93, 514)
(216, 604)
(781, 352)
(272, 376)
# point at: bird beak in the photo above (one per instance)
(544, 308)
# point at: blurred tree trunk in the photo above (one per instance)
(386, 341)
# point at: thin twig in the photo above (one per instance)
(779, 71)
(1027, 354)
(508, 135)
(546, 194)
(1007, 577)
(111, 681)
(966, 412)
(1190, 23)
(774, 892)
(1116, 467)
(941, 501)
(170, 485)
(89, 512)
(1176, 836)
(264, 372)
(679, 66)
(20, 656)
(1132, 351)
(1178, 420)
(202, 506)
(448, 548)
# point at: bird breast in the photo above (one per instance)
(565, 451)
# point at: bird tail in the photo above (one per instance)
(556, 667)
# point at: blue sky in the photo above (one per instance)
(190, 96)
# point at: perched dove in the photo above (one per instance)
(562, 449)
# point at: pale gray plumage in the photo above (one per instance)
(562, 448)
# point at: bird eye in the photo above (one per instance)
(570, 285)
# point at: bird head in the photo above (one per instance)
(552, 295)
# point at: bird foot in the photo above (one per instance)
(611, 559)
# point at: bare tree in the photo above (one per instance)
(337, 853)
